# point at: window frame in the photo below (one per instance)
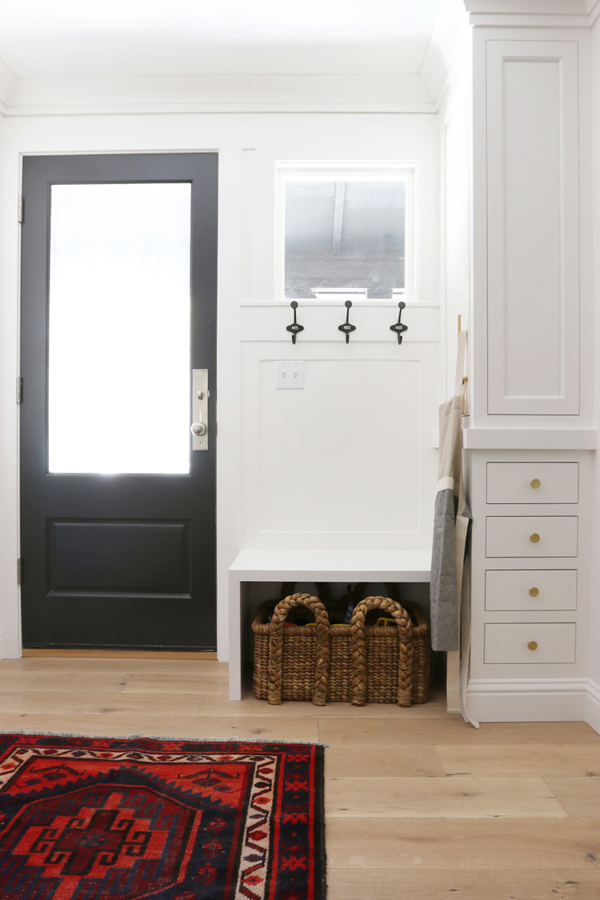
(405, 171)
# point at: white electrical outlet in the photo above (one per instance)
(289, 373)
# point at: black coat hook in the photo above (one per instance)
(294, 327)
(347, 328)
(398, 326)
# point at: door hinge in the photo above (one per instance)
(19, 390)
(19, 571)
(21, 209)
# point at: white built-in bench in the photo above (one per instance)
(252, 566)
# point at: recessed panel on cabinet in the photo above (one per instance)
(533, 536)
(533, 227)
(530, 642)
(530, 589)
(532, 482)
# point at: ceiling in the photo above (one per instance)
(87, 38)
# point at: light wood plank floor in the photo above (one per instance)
(420, 806)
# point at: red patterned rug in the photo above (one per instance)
(114, 819)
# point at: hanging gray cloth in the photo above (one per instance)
(451, 520)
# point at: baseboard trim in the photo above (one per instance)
(592, 706)
(531, 700)
(115, 654)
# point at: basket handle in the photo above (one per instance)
(275, 674)
(359, 653)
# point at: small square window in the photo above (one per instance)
(345, 233)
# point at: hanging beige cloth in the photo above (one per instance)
(448, 597)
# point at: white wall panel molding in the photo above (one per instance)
(533, 227)
(346, 462)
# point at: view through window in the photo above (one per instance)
(345, 237)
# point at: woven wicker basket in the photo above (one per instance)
(355, 663)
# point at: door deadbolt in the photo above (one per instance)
(200, 395)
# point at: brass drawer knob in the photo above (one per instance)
(535, 483)
(534, 592)
(532, 645)
(534, 538)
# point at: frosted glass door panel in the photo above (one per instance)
(119, 329)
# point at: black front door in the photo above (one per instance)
(119, 270)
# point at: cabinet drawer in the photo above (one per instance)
(533, 536)
(536, 642)
(527, 589)
(533, 482)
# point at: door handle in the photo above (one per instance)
(200, 394)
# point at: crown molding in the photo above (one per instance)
(220, 94)
(524, 13)
(447, 47)
(530, 7)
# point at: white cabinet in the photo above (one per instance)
(531, 361)
(529, 582)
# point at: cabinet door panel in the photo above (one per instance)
(533, 228)
(530, 589)
(530, 642)
(535, 536)
(532, 482)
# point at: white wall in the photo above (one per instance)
(456, 142)
(8, 429)
(249, 145)
(595, 569)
